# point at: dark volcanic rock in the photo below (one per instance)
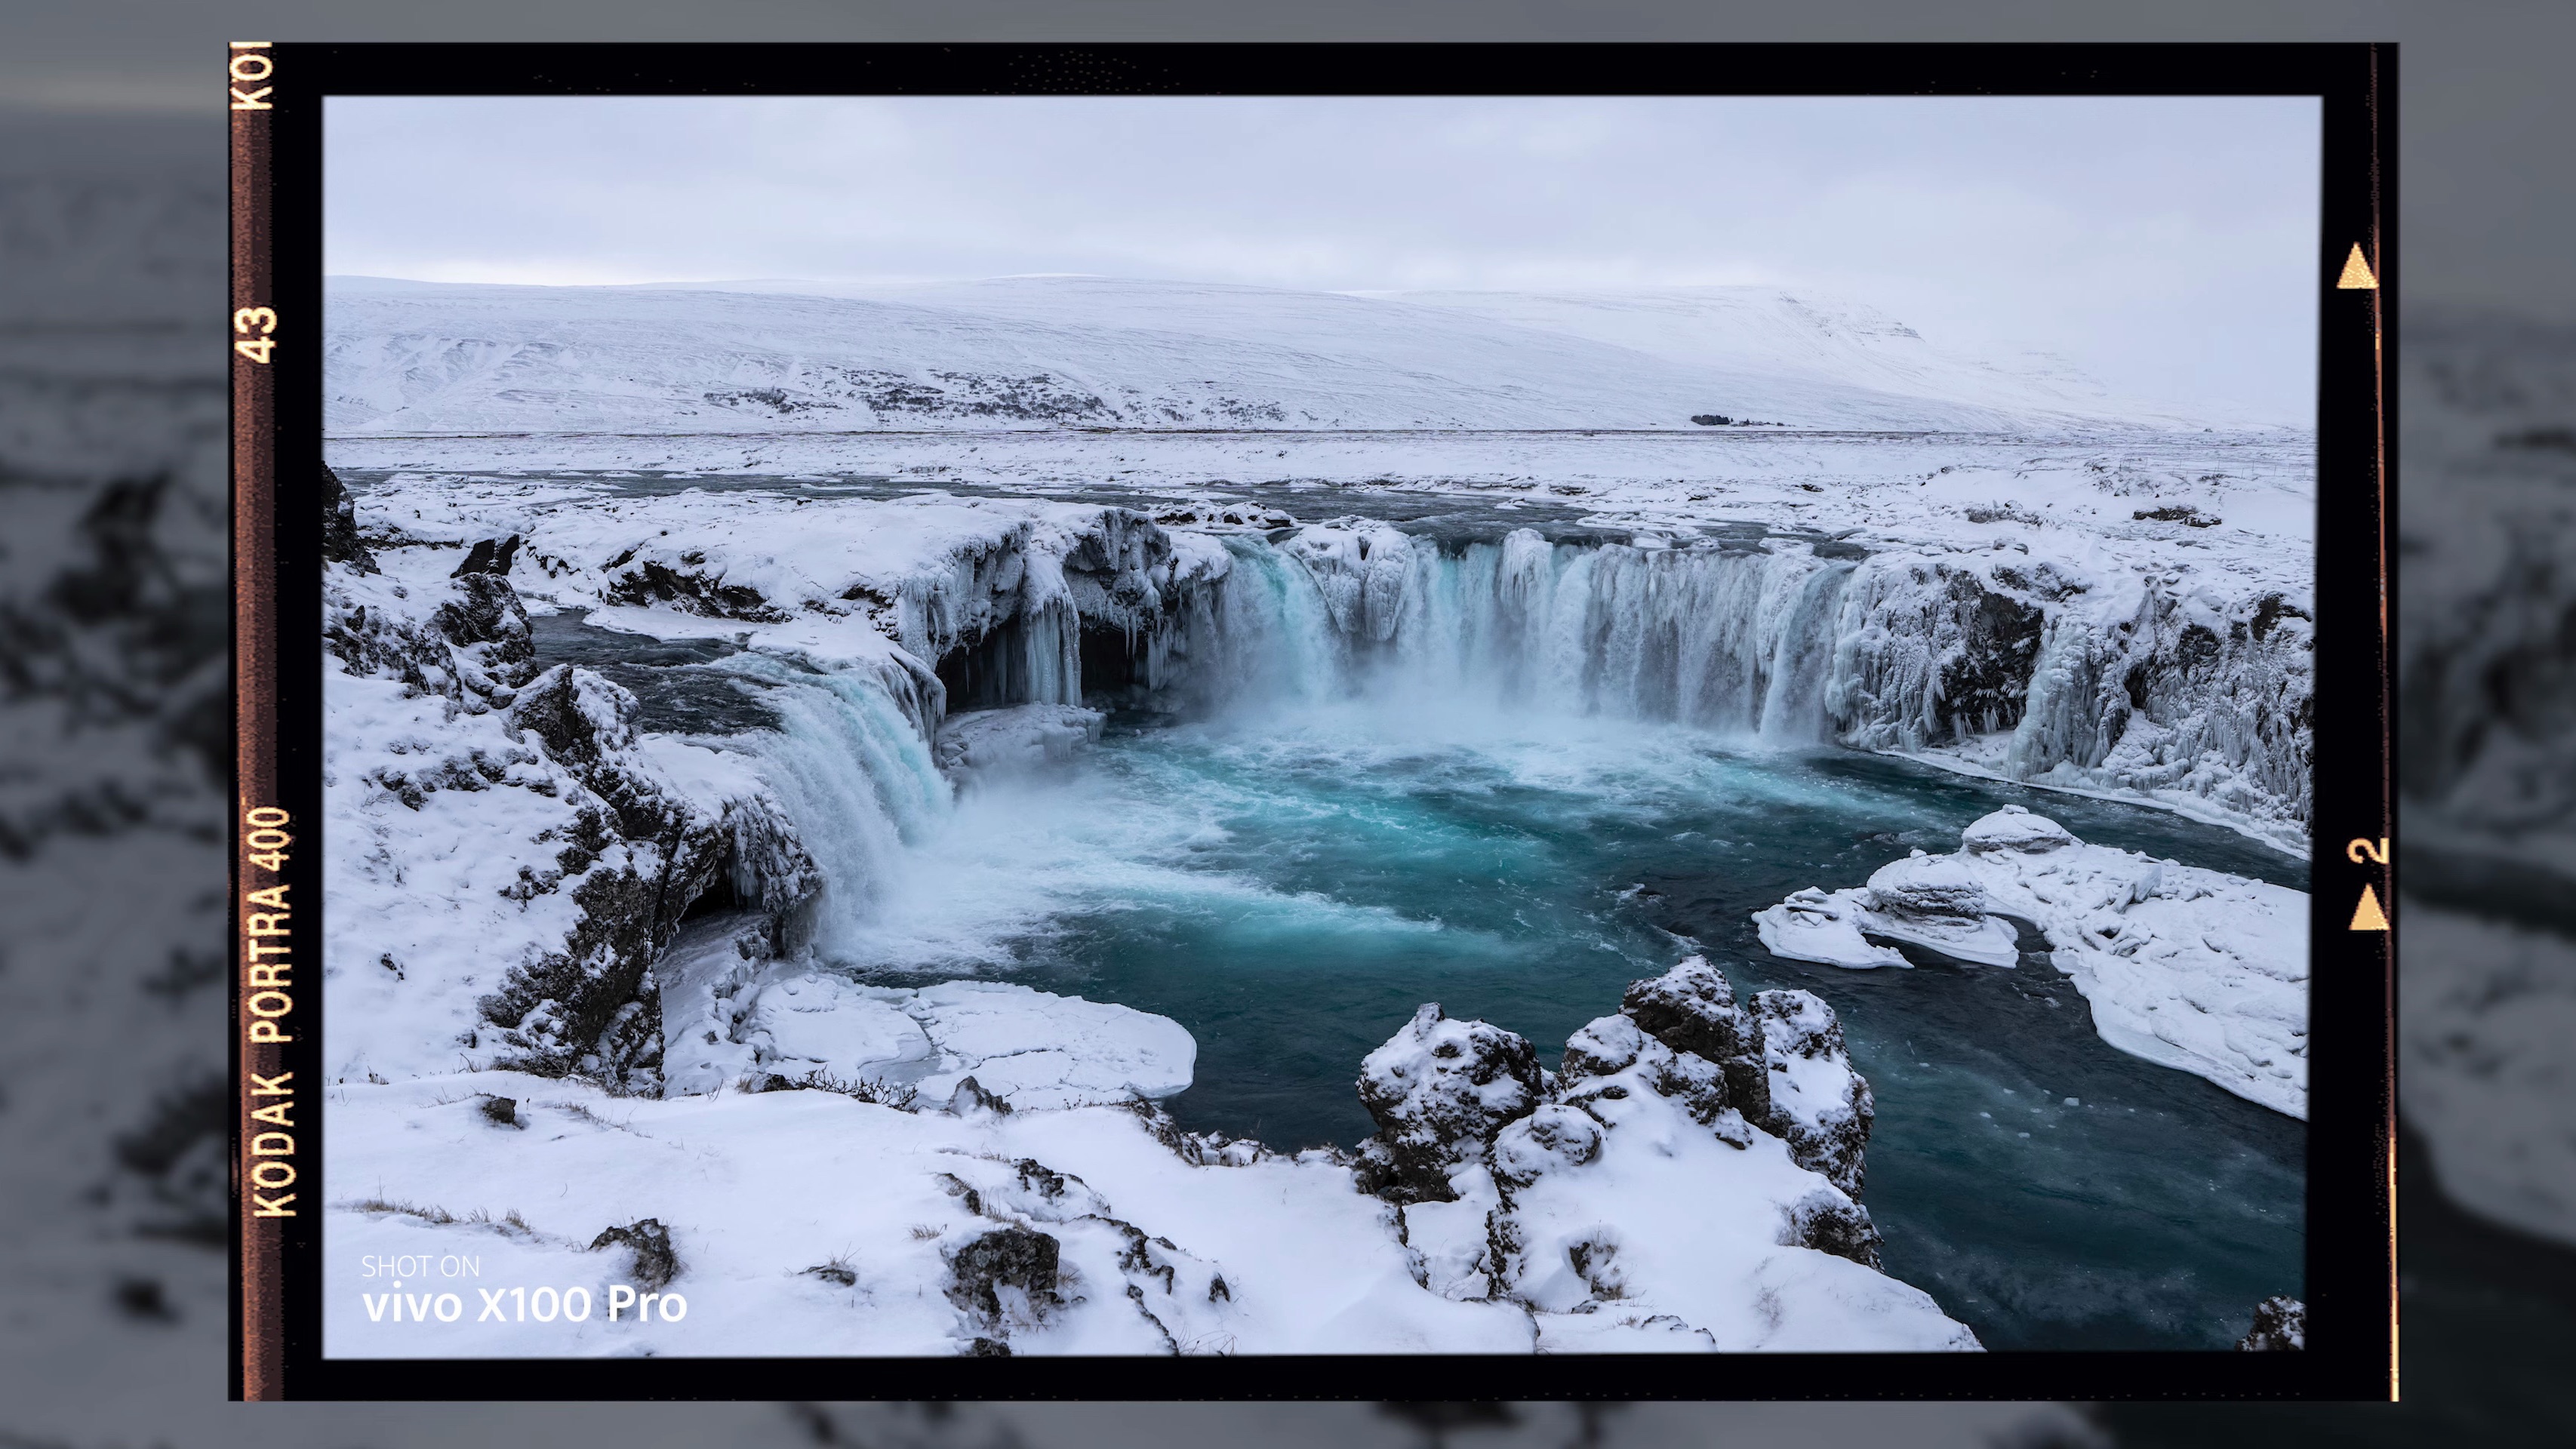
(489, 556)
(1014, 1257)
(2280, 1324)
(655, 1264)
(340, 542)
(1439, 1089)
(1832, 1223)
(1819, 1104)
(650, 581)
(1987, 678)
(1692, 1008)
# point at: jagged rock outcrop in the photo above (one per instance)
(1438, 1091)
(610, 828)
(2280, 1324)
(1819, 1105)
(340, 541)
(1692, 1008)
(1006, 1274)
(1467, 1120)
(1782, 1060)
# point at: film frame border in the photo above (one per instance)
(276, 96)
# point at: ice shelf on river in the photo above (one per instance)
(2189, 968)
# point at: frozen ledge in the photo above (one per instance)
(2189, 968)
(1024, 1048)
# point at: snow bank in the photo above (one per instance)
(508, 856)
(1636, 1208)
(2186, 967)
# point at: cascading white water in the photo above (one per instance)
(850, 765)
(1763, 643)
(1741, 641)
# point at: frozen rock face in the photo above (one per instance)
(2280, 1324)
(2052, 669)
(1819, 1105)
(2069, 666)
(989, 743)
(2191, 968)
(1692, 1008)
(1438, 1090)
(512, 841)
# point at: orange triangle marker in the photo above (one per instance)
(2367, 916)
(2356, 277)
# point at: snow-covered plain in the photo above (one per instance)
(408, 357)
(569, 952)
(2195, 969)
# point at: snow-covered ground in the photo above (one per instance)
(410, 357)
(2191, 968)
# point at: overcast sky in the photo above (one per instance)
(2166, 245)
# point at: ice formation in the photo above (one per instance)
(2190, 968)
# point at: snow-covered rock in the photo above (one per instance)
(1033, 1049)
(1627, 1200)
(1692, 1008)
(1820, 1106)
(2280, 1324)
(788, 1025)
(508, 855)
(1438, 1090)
(1814, 925)
(2186, 967)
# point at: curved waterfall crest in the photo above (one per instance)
(2031, 670)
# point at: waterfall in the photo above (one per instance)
(1738, 640)
(1767, 643)
(851, 766)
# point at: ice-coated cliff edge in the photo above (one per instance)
(2079, 667)
(2190, 968)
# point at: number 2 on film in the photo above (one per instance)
(253, 328)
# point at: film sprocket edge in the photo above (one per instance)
(1195, 814)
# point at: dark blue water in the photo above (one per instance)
(1291, 888)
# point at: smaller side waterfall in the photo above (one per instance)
(852, 765)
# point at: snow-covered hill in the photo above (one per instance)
(412, 358)
(1828, 341)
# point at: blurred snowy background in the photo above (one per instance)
(113, 736)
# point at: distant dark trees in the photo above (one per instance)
(1721, 420)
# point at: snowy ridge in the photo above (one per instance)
(1829, 340)
(1055, 352)
(2190, 968)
